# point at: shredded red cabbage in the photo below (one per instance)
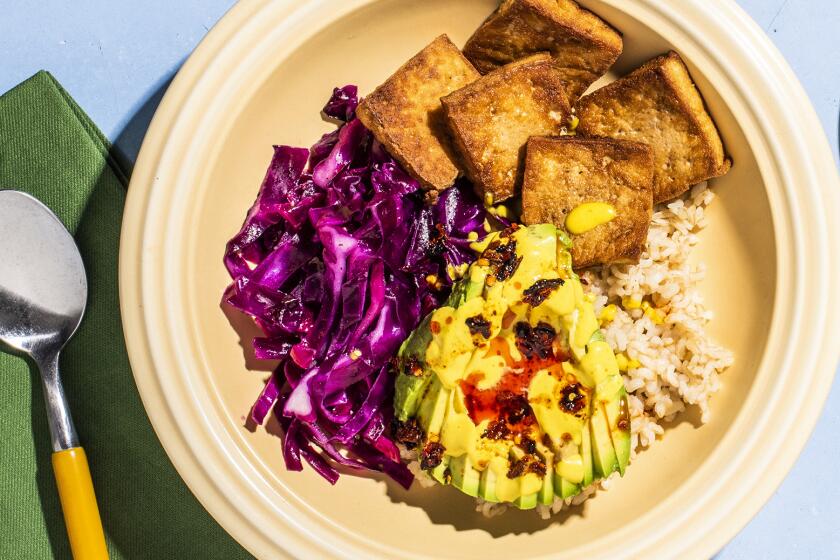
(338, 260)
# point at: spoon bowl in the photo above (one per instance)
(43, 288)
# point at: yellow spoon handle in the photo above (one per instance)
(78, 502)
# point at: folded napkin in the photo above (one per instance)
(50, 149)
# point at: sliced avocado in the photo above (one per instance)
(441, 473)
(528, 501)
(412, 378)
(469, 287)
(508, 489)
(563, 239)
(458, 433)
(541, 245)
(465, 477)
(563, 488)
(586, 453)
(457, 296)
(544, 231)
(433, 408)
(526, 488)
(474, 286)
(598, 368)
(568, 489)
(546, 493)
(604, 459)
(610, 415)
(487, 485)
(571, 468)
(529, 484)
(597, 336)
(618, 416)
(407, 393)
(415, 345)
(585, 327)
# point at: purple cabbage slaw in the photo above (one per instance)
(333, 263)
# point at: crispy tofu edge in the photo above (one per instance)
(675, 72)
(600, 33)
(671, 70)
(461, 138)
(367, 113)
(539, 145)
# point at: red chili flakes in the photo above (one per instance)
(435, 327)
(411, 366)
(572, 399)
(540, 290)
(409, 433)
(538, 468)
(516, 468)
(502, 258)
(496, 430)
(529, 445)
(510, 230)
(432, 455)
(478, 325)
(535, 341)
(513, 407)
(437, 242)
(530, 463)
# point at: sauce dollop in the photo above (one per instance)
(589, 215)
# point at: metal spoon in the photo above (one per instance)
(43, 292)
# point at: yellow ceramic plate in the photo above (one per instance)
(260, 78)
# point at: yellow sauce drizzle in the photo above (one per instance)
(589, 215)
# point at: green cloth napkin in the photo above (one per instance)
(50, 149)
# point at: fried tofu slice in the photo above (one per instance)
(583, 45)
(563, 173)
(659, 105)
(492, 119)
(405, 114)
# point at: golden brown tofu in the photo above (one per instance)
(659, 105)
(405, 114)
(492, 119)
(583, 44)
(563, 173)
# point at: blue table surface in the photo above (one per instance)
(116, 59)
